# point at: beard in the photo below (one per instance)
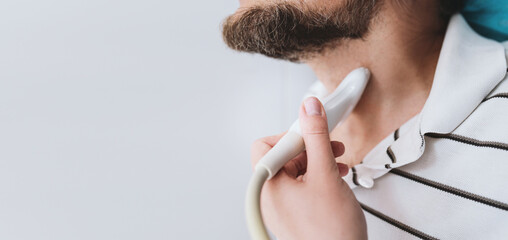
(295, 32)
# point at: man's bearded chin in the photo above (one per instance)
(294, 32)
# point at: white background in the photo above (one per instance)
(131, 119)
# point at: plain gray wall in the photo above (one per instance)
(131, 119)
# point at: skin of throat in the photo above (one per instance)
(401, 51)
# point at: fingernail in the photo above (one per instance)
(312, 106)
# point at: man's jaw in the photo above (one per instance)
(292, 30)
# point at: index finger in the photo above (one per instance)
(261, 146)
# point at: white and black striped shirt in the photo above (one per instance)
(444, 173)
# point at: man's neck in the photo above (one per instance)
(402, 54)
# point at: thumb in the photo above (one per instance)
(314, 126)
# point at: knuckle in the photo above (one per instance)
(257, 144)
(315, 128)
(258, 148)
(317, 132)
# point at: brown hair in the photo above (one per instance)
(293, 31)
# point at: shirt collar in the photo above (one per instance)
(468, 69)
